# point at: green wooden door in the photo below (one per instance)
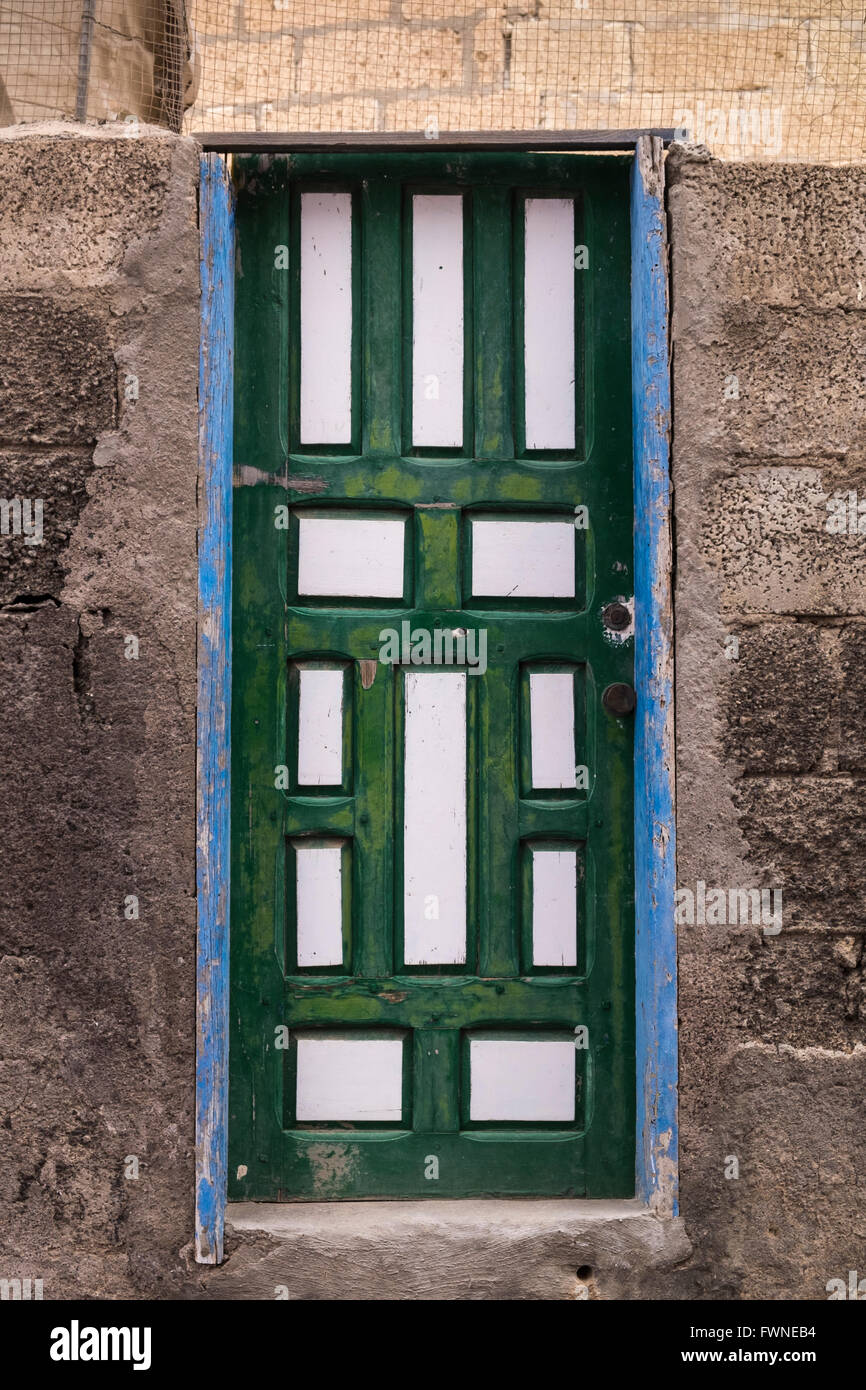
(432, 962)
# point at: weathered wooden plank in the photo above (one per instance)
(233, 141)
(655, 836)
(214, 705)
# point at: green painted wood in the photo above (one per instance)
(436, 1082)
(381, 311)
(436, 1151)
(259, 832)
(498, 812)
(438, 541)
(374, 824)
(493, 363)
(261, 311)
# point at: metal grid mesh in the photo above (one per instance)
(766, 79)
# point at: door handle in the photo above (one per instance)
(619, 699)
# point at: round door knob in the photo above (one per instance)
(619, 699)
(616, 617)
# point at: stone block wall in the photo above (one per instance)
(769, 460)
(761, 79)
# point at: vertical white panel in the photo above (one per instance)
(523, 559)
(437, 321)
(348, 557)
(554, 907)
(320, 727)
(319, 896)
(434, 831)
(326, 318)
(349, 1079)
(512, 1079)
(551, 726)
(549, 323)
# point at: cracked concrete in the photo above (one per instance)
(448, 1250)
(100, 279)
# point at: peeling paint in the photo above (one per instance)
(246, 475)
(331, 1166)
(214, 705)
(618, 636)
(655, 837)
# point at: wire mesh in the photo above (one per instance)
(748, 78)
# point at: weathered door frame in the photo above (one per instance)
(654, 828)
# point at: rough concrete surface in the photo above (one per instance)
(768, 275)
(447, 1250)
(99, 284)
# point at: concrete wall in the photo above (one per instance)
(99, 257)
(761, 79)
(769, 349)
(99, 250)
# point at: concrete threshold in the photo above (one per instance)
(431, 1250)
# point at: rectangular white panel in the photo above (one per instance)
(434, 830)
(551, 729)
(320, 727)
(437, 320)
(326, 318)
(512, 1079)
(523, 559)
(319, 896)
(349, 1079)
(348, 557)
(554, 907)
(549, 323)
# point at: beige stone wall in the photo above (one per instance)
(130, 61)
(753, 79)
(761, 79)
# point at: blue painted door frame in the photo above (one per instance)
(656, 1158)
(213, 715)
(654, 824)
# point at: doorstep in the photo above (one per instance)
(448, 1249)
